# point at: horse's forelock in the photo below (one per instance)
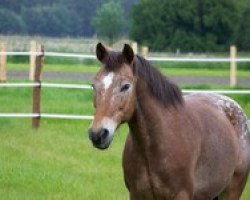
(114, 61)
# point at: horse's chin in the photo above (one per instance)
(103, 146)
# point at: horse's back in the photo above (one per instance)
(227, 107)
(229, 130)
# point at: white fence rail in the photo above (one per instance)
(218, 91)
(45, 115)
(83, 86)
(46, 85)
(86, 86)
(151, 58)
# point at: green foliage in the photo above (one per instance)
(196, 25)
(10, 22)
(50, 20)
(77, 15)
(109, 21)
(243, 35)
(83, 10)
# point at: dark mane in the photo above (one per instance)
(161, 88)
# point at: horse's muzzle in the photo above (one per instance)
(99, 138)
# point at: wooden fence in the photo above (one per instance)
(37, 84)
(36, 100)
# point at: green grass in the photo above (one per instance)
(57, 161)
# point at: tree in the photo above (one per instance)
(195, 25)
(78, 15)
(11, 23)
(109, 21)
(127, 5)
(243, 34)
(50, 21)
(84, 11)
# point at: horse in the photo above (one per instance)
(179, 147)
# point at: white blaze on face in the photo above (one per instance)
(107, 80)
(110, 125)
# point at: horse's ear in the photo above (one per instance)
(128, 53)
(101, 52)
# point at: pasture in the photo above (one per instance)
(57, 161)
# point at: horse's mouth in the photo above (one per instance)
(102, 146)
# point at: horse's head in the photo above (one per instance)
(114, 94)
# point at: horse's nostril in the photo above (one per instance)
(94, 137)
(98, 137)
(104, 133)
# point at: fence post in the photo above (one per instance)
(33, 48)
(233, 66)
(3, 63)
(145, 51)
(37, 89)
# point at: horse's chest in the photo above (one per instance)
(145, 183)
(154, 171)
(146, 176)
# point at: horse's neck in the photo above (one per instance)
(145, 125)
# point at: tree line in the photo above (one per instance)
(163, 25)
(194, 25)
(53, 18)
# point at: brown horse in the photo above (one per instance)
(179, 147)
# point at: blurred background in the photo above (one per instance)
(186, 26)
(162, 28)
(200, 44)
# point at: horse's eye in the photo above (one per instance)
(125, 87)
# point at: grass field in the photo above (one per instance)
(57, 161)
